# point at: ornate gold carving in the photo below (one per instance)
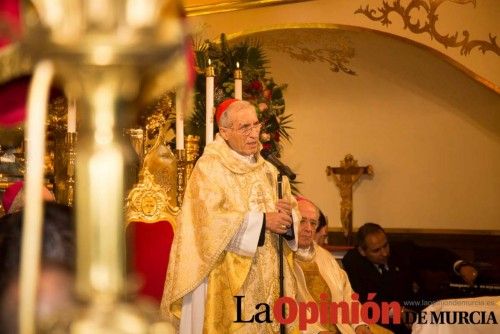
(285, 28)
(58, 111)
(149, 202)
(160, 161)
(336, 50)
(160, 121)
(151, 143)
(429, 26)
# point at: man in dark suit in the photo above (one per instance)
(395, 272)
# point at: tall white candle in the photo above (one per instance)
(238, 83)
(71, 115)
(209, 102)
(179, 118)
(33, 209)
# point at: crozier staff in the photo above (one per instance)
(226, 242)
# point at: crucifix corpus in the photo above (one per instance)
(345, 177)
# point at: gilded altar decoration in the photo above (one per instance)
(336, 49)
(159, 117)
(159, 160)
(345, 177)
(149, 202)
(429, 7)
(152, 143)
(61, 150)
(12, 166)
(57, 151)
(65, 178)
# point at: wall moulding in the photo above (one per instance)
(344, 55)
(463, 32)
(207, 7)
(308, 45)
(429, 24)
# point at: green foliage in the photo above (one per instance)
(258, 88)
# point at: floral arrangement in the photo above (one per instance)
(258, 88)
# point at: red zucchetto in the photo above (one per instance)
(222, 107)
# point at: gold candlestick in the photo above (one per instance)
(107, 55)
(192, 144)
(185, 164)
(181, 175)
(70, 182)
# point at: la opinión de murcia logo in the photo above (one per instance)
(454, 318)
(370, 312)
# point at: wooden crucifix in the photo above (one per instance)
(345, 177)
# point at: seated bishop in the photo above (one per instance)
(320, 280)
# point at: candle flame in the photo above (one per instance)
(237, 64)
(209, 62)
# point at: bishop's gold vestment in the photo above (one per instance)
(318, 272)
(222, 190)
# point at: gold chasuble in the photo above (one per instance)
(222, 190)
(316, 285)
(317, 272)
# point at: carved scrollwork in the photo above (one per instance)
(149, 202)
(429, 25)
(335, 51)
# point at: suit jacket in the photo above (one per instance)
(405, 280)
(365, 278)
(395, 284)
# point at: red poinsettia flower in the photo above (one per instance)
(254, 87)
